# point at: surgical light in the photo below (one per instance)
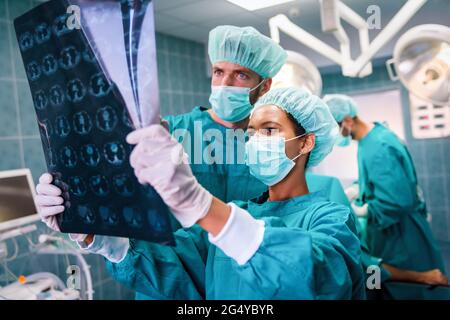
(422, 62)
(300, 72)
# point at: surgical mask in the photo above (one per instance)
(343, 141)
(231, 103)
(266, 158)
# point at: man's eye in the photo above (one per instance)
(242, 76)
(217, 72)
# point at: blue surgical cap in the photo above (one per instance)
(311, 113)
(246, 47)
(341, 106)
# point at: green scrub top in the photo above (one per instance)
(309, 251)
(397, 230)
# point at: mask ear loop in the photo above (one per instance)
(249, 100)
(301, 153)
(262, 81)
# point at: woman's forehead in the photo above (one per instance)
(268, 112)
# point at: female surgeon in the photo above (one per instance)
(286, 244)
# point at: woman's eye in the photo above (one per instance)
(268, 131)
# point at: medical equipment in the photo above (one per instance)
(298, 72)
(46, 285)
(39, 286)
(16, 200)
(422, 62)
(334, 10)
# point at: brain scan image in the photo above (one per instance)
(56, 95)
(114, 153)
(106, 119)
(99, 185)
(82, 123)
(68, 157)
(40, 100)
(75, 90)
(69, 58)
(33, 71)
(90, 155)
(49, 64)
(108, 215)
(60, 26)
(86, 214)
(123, 184)
(42, 33)
(77, 186)
(83, 112)
(99, 86)
(132, 217)
(62, 127)
(26, 41)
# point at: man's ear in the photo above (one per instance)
(265, 86)
(307, 144)
(348, 121)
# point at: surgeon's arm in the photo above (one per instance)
(393, 195)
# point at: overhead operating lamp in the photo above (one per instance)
(299, 72)
(422, 62)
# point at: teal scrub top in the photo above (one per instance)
(309, 251)
(333, 191)
(397, 230)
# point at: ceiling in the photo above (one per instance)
(192, 19)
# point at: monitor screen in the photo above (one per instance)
(16, 197)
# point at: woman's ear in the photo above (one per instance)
(307, 144)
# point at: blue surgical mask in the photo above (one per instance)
(231, 103)
(343, 141)
(267, 160)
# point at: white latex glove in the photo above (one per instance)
(50, 203)
(352, 192)
(112, 248)
(360, 211)
(159, 160)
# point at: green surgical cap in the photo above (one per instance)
(311, 113)
(341, 106)
(246, 47)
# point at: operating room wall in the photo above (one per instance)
(430, 156)
(183, 84)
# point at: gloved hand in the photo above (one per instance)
(352, 192)
(360, 211)
(159, 160)
(50, 203)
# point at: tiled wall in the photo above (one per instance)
(431, 156)
(183, 85)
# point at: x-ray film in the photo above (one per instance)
(91, 67)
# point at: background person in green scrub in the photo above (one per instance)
(397, 230)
